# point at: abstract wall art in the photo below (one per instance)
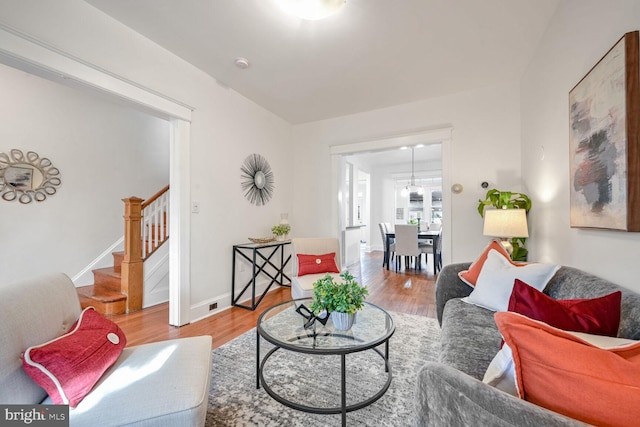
(604, 115)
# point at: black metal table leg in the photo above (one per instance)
(257, 359)
(386, 356)
(344, 389)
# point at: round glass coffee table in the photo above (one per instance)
(283, 325)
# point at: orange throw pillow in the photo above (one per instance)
(470, 276)
(559, 371)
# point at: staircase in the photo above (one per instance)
(105, 294)
(119, 289)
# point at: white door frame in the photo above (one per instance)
(29, 54)
(426, 136)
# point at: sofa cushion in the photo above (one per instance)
(165, 383)
(469, 339)
(571, 283)
(313, 264)
(302, 286)
(68, 366)
(495, 282)
(445, 397)
(600, 316)
(551, 365)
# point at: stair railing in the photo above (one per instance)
(155, 221)
(145, 224)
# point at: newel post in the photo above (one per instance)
(132, 266)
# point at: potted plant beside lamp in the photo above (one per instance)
(340, 299)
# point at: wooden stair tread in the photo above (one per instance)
(103, 295)
(107, 271)
(105, 301)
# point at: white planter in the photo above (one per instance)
(343, 321)
(281, 238)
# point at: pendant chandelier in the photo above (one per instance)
(412, 187)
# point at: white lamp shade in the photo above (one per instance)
(505, 223)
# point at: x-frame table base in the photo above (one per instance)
(259, 263)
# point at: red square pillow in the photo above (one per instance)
(597, 316)
(313, 264)
(69, 366)
(470, 276)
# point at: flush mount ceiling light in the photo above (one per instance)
(242, 63)
(311, 10)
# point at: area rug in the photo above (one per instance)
(315, 380)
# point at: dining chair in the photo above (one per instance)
(435, 250)
(392, 246)
(438, 253)
(435, 226)
(407, 245)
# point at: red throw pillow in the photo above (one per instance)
(69, 366)
(597, 316)
(470, 276)
(313, 264)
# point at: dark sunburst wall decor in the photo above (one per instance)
(257, 179)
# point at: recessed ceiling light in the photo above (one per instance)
(311, 10)
(242, 63)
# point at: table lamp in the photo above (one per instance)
(506, 224)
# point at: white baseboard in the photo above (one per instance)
(201, 310)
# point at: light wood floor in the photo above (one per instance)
(410, 291)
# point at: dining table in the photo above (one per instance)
(433, 235)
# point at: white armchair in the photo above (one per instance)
(302, 286)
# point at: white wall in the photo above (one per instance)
(581, 32)
(105, 152)
(485, 147)
(225, 128)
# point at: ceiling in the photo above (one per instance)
(373, 54)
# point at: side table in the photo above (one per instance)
(261, 256)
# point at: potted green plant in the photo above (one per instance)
(508, 200)
(340, 299)
(280, 231)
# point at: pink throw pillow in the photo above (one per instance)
(69, 366)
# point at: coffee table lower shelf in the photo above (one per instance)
(343, 408)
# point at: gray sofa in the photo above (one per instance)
(159, 384)
(450, 392)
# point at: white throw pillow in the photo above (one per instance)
(501, 372)
(495, 282)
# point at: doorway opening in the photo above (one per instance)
(389, 172)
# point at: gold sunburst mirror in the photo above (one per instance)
(27, 177)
